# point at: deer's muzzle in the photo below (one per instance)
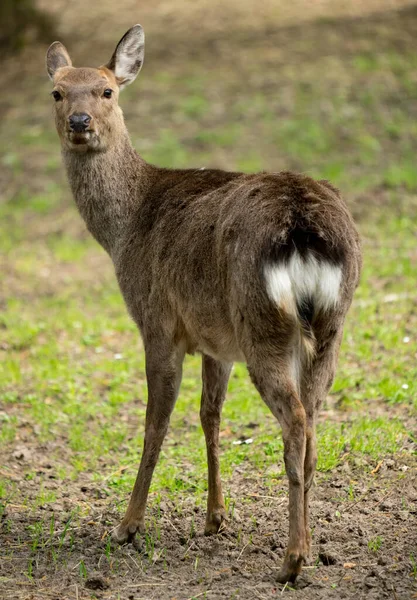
(79, 122)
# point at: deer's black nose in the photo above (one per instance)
(79, 122)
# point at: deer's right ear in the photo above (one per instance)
(127, 59)
(56, 58)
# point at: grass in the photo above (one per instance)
(72, 371)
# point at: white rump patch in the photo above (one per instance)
(279, 286)
(300, 279)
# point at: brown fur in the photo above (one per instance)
(189, 248)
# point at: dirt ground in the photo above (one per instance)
(239, 563)
(182, 563)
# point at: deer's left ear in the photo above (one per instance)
(127, 59)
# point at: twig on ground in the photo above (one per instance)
(188, 549)
(135, 563)
(379, 465)
(173, 526)
(243, 549)
(134, 585)
(200, 594)
(120, 471)
(267, 497)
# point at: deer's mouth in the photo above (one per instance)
(83, 140)
(78, 138)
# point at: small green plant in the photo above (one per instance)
(351, 491)
(192, 528)
(52, 528)
(414, 565)
(36, 531)
(64, 533)
(374, 544)
(149, 545)
(107, 550)
(82, 570)
(29, 572)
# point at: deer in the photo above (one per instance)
(259, 268)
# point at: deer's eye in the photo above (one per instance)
(107, 93)
(57, 96)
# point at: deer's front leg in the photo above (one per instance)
(163, 374)
(215, 378)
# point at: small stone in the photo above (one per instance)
(327, 558)
(371, 582)
(96, 582)
(22, 453)
(236, 516)
(302, 582)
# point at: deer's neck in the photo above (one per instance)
(107, 187)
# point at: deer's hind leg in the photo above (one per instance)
(274, 376)
(316, 381)
(215, 378)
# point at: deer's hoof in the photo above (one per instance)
(215, 522)
(126, 532)
(291, 568)
(308, 558)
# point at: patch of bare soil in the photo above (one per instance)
(202, 17)
(363, 546)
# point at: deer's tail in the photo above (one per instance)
(303, 287)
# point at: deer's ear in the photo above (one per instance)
(56, 58)
(127, 59)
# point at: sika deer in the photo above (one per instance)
(258, 268)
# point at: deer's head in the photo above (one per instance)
(87, 114)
